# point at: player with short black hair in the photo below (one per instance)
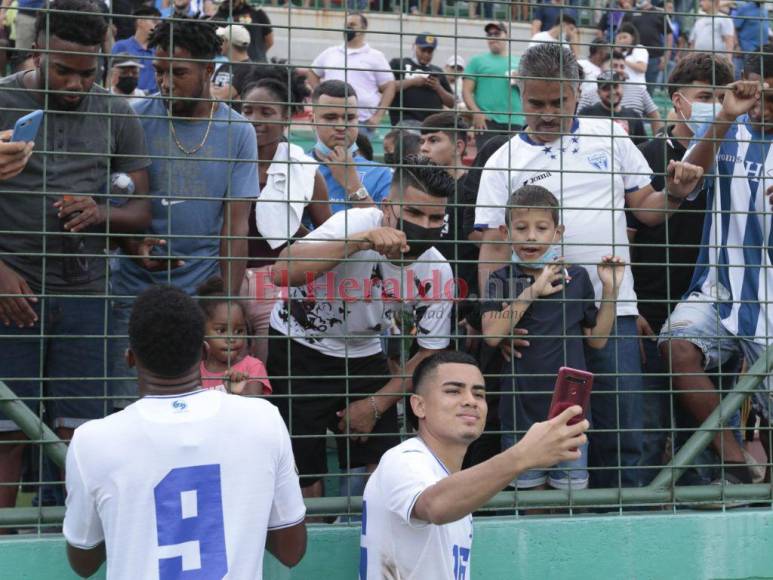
(164, 353)
(144, 482)
(417, 505)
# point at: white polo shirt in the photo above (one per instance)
(590, 171)
(365, 68)
(182, 483)
(393, 544)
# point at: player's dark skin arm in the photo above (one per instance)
(86, 562)
(288, 545)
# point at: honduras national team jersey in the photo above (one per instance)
(590, 171)
(395, 545)
(186, 483)
(734, 263)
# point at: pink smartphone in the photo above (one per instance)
(573, 387)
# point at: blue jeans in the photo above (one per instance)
(656, 410)
(62, 357)
(616, 404)
(738, 62)
(564, 475)
(123, 380)
(652, 73)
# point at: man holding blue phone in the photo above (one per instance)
(13, 155)
(56, 224)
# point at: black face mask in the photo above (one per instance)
(390, 158)
(420, 239)
(126, 85)
(349, 34)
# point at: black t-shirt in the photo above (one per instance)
(627, 118)
(652, 28)
(415, 103)
(460, 252)
(654, 280)
(255, 21)
(611, 21)
(555, 324)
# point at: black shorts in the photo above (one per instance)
(320, 387)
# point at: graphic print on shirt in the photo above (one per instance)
(321, 316)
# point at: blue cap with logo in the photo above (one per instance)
(426, 40)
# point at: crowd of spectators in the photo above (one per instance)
(571, 239)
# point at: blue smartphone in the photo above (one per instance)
(26, 128)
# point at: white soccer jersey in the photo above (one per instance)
(395, 546)
(589, 171)
(735, 264)
(345, 311)
(182, 483)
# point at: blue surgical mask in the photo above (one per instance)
(325, 150)
(552, 254)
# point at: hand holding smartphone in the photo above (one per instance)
(573, 387)
(26, 127)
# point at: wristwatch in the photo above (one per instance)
(358, 195)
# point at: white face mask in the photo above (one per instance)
(702, 114)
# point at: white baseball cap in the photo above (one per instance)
(236, 34)
(456, 60)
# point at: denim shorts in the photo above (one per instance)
(61, 358)
(565, 475)
(697, 320)
(122, 384)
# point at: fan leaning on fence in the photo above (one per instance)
(727, 312)
(55, 206)
(347, 280)
(595, 171)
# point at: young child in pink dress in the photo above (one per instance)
(227, 366)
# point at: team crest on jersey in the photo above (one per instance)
(179, 406)
(599, 160)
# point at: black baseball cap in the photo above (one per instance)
(499, 25)
(609, 77)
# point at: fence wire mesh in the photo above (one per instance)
(175, 157)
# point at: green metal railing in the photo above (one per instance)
(660, 491)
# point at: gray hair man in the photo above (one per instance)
(595, 171)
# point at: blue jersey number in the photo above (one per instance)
(189, 510)
(461, 557)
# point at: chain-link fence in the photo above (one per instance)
(187, 144)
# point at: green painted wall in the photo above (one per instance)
(733, 545)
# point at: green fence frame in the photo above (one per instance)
(661, 490)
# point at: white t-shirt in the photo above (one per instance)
(638, 55)
(393, 544)
(365, 68)
(192, 481)
(367, 292)
(586, 190)
(591, 72)
(708, 32)
(545, 36)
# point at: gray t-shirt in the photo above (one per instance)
(75, 153)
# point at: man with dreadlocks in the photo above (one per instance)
(201, 203)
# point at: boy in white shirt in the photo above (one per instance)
(417, 506)
(185, 479)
